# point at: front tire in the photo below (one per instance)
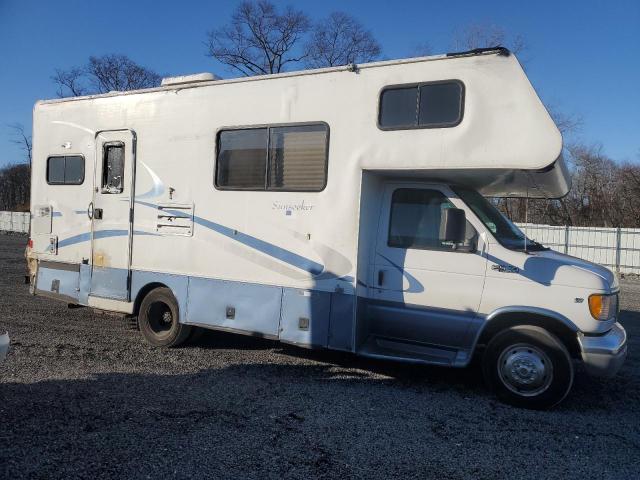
(159, 317)
(528, 367)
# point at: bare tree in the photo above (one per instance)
(604, 193)
(479, 35)
(120, 73)
(259, 40)
(340, 40)
(566, 123)
(15, 181)
(22, 139)
(104, 74)
(69, 82)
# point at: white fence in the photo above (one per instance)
(14, 222)
(616, 248)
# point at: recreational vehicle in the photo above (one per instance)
(341, 208)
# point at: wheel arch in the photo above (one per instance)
(557, 324)
(144, 291)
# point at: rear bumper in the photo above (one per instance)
(603, 355)
(4, 346)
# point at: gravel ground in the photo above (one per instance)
(81, 396)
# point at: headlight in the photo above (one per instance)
(603, 307)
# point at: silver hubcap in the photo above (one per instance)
(525, 370)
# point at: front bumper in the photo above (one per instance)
(603, 355)
(4, 346)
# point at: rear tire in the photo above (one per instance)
(528, 367)
(159, 317)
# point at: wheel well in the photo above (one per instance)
(506, 320)
(143, 293)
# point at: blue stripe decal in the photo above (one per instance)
(267, 248)
(56, 214)
(85, 237)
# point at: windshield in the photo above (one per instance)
(503, 229)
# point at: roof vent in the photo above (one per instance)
(195, 78)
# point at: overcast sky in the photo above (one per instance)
(583, 56)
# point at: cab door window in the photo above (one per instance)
(415, 219)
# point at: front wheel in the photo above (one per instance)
(528, 367)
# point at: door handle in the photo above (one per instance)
(90, 211)
(97, 213)
(380, 277)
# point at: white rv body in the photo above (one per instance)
(312, 267)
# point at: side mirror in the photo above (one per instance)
(453, 226)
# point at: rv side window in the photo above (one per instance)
(428, 105)
(415, 221)
(285, 158)
(242, 159)
(113, 168)
(297, 158)
(65, 170)
(399, 107)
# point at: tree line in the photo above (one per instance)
(261, 39)
(604, 193)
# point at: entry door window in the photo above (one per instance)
(415, 220)
(113, 168)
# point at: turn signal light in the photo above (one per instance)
(30, 243)
(603, 307)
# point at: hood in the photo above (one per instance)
(555, 268)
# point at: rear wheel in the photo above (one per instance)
(528, 367)
(158, 319)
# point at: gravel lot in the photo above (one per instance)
(81, 396)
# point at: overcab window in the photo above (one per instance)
(65, 170)
(285, 158)
(427, 105)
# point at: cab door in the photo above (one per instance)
(423, 289)
(111, 213)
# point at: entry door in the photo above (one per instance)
(111, 212)
(424, 290)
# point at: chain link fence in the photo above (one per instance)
(14, 222)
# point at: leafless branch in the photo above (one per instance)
(69, 82)
(119, 73)
(480, 35)
(259, 40)
(20, 138)
(104, 74)
(340, 40)
(604, 193)
(15, 181)
(566, 123)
